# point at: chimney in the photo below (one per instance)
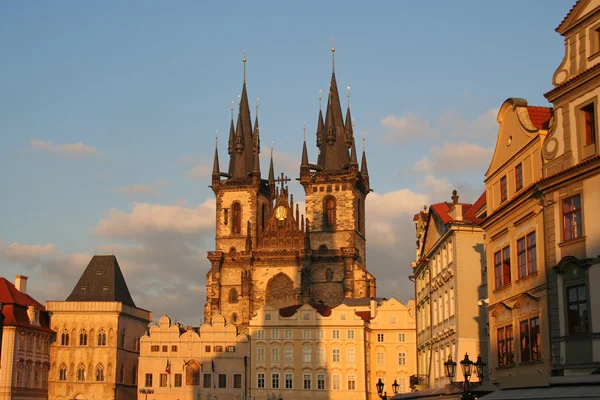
(373, 307)
(21, 283)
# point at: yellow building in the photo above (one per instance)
(25, 336)
(180, 362)
(449, 275)
(516, 274)
(98, 327)
(333, 353)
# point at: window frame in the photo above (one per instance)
(503, 189)
(518, 177)
(572, 213)
(529, 348)
(578, 302)
(148, 379)
(507, 357)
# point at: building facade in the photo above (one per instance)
(266, 253)
(332, 353)
(181, 362)
(519, 337)
(570, 197)
(449, 275)
(25, 337)
(98, 328)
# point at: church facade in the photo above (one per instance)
(266, 253)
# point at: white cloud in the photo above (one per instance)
(138, 189)
(68, 150)
(406, 126)
(451, 158)
(199, 172)
(28, 255)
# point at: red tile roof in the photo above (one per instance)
(443, 209)
(571, 79)
(471, 214)
(15, 307)
(540, 116)
(365, 315)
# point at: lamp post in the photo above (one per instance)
(146, 392)
(468, 367)
(380, 386)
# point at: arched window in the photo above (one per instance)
(81, 373)
(64, 338)
(192, 373)
(99, 373)
(62, 372)
(233, 296)
(236, 210)
(329, 274)
(82, 337)
(101, 337)
(329, 212)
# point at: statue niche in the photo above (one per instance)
(280, 291)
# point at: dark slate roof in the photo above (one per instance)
(102, 280)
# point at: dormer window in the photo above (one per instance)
(503, 190)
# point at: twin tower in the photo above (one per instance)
(266, 252)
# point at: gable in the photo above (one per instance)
(579, 11)
(434, 230)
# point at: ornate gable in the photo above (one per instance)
(432, 233)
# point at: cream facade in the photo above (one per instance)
(514, 235)
(332, 353)
(96, 347)
(181, 362)
(571, 198)
(450, 284)
(25, 338)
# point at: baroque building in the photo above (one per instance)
(196, 363)
(25, 337)
(98, 329)
(266, 253)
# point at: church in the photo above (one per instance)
(266, 252)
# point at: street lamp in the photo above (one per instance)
(380, 385)
(146, 392)
(468, 367)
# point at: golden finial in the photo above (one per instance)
(217, 139)
(272, 146)
(231, 108)
(244, 60)
(257, 100)
(348, 87)
(305, 131)
(320, 97)
(332, 55)
(364, 140)
(240, 97)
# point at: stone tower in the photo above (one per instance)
(266, 252)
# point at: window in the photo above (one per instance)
(148, 380)
(572, 217)
(174, 348)
(502, 267)
(526, 256)
(306, 334)
(306, 316)
(178, 380)
(393, 319)
(192, 373)
(274, 333)
(237, 381)
(81, 372)
(233, 296)
(577, 309)
(62, 372)
(83, 337)
(64, 338)
(380, 338)
(260, 380)
(335, 334)
(380, 358)
(351, 382)
(218, 349)
(402, 388)
(505, 345)
(351, 355)
(320, 381)
(343, 316)
(350, 334)
(329, 212)
(101, 337)
(320, 355)
(519, 177)
(402, 337)
(222, 379)
(230, 349)
(336, 382)
(260, 354)
(289, 381)
(275, 354)
(307, 379)
(320, 334)
(236, 226)
(105, 288)
(207, 381)
(260, 334)
(529, 332)
(288, 334)
(306, 354)
(589, 122)
(503, 190)
(402, 359)
(207, 349)
(336, 355)
(100, 373)
(288, 354)
(165, 348)
(275, 380)
(163, 380)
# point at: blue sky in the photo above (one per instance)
(109, 111)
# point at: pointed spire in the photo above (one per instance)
(271, 171)
(363, 165)
(216, 172)
(353, 159)
(304, 156)
(256, 169)
(348, 125)
(231, 145)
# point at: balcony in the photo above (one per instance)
(419, 382)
